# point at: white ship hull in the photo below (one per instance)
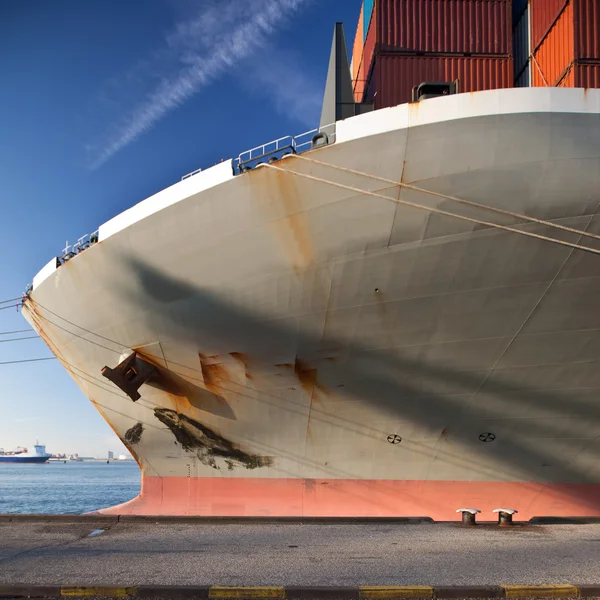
(327, 352)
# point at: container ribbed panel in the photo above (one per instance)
(587, 75)
(543, 14)
(395, 76)
(446, 26)
(557, 51)
(568, 80)
(587, 29)
(367, 57)
(357, 48)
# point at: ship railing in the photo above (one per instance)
(277, 149)
(191, 174)
(71, 250)
(247, 160)
(272, 151)
(321, 136)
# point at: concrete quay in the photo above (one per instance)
(204, 558)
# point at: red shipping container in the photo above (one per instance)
(543, 14)
(587, 29)
(556, 53)
(394, 76)
(587, 75)
(445, 26)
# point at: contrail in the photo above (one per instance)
(206, 46)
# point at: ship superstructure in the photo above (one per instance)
(22, 455)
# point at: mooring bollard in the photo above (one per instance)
(468, 515)
(505, 515)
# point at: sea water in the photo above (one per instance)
(72, 487)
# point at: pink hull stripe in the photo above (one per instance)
(356, 498)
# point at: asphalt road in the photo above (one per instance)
(297, 554)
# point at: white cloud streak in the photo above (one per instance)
(284, 80)
(199, 50)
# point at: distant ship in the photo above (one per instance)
(23, 455)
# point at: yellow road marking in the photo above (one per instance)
(541, 591)
(106, 592)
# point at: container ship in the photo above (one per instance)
(24, 455)
(394, 315)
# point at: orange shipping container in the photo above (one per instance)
(543, 14)
(357, 49)
(568, 80)
(394, 76)
(367, 57)
(556, 53)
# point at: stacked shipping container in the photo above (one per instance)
(406, 42)
(565, 42)
(401, 43)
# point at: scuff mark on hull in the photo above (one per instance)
(208, 445)
(134, 434)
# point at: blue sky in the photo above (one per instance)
(103, 103)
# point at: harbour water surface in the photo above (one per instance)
(59, 488)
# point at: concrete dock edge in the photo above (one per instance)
(24, 518)
(300, 593)
(182, 520)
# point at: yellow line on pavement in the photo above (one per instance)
(104, 592)
(541, 591)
